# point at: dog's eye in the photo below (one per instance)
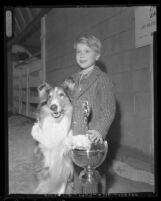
(49, 96)
(61, 94)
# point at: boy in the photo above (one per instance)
(94, 86)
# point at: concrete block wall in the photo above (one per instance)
(128, 66)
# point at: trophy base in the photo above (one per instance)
(90, 188)
(90, 181)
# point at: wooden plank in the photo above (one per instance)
(16, 106)
(27, 76)
(24, 81)
(33, 99)
(20, 97)
(62, 74)
(76, 20)
(33, 64)
(35, 81)
(32, 115)
(27, 93)
(43, 48)
(21, 16)
(60, 63)
(16, 98)
(16, 92)
(30, 27)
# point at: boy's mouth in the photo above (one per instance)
(82, 61)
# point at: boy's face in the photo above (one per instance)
(85, 56)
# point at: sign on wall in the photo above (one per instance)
(145, 25)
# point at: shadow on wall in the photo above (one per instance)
(113, 138)
(114, 134)
(102, 66)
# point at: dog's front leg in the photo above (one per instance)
(37, 133)
(67, 143)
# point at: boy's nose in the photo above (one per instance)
(81, 54)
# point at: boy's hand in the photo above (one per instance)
(94, 136)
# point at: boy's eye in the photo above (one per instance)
(87, 51)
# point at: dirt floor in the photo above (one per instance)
(21, 146)
(121, 178)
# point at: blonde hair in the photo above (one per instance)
(91, 41)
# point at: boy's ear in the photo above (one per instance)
(97, 57)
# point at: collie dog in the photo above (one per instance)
(55, 139)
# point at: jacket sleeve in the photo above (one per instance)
(107, 105)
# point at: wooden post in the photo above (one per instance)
(20, 93)
(43, 48)
(27, 91)
(152, 96)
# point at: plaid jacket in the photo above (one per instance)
(98, 90)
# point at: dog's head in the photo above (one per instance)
(54, 100)
(58, 101)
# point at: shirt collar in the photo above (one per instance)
(86, 71)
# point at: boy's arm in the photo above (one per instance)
(107, 105)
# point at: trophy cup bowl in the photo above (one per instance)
(93, 157)
(89, 160)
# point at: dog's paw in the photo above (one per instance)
(81, 142)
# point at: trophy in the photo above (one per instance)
(86, 112)
(89, 160)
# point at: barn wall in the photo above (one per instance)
(129, 66)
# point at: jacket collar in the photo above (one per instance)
(88, 82)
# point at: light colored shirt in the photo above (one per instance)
(86, 72)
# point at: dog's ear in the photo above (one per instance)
(69, 84)
(43, 91)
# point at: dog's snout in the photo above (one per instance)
(54, 107)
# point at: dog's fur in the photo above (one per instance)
(53, 133)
